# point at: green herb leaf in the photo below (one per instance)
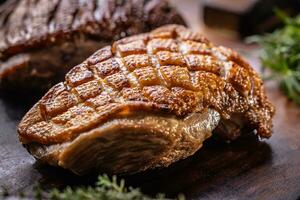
(281, 54)
(105, 189)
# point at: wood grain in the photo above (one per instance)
(244, 169)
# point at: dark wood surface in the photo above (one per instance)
(247, 168)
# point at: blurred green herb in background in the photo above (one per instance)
(105, 189)
(281, 54)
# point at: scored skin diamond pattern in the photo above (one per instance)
(170, 69)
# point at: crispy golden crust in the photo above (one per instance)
(169, 70)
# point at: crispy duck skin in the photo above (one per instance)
(41, 40)
(145, 102)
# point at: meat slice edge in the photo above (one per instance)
(132, 144)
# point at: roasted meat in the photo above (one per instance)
(145, 102)
(41, 40)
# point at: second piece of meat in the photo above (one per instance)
(41, 40)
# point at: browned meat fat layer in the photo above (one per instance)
(169, 70)
(130, 144)
(40, 69)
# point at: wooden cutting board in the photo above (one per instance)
(247, 168)
(244, 169)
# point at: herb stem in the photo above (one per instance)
(281, 54)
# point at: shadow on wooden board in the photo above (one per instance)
(213, 164)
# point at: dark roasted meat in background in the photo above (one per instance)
(41, 40)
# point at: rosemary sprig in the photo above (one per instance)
(281, 54)
(105, 189)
